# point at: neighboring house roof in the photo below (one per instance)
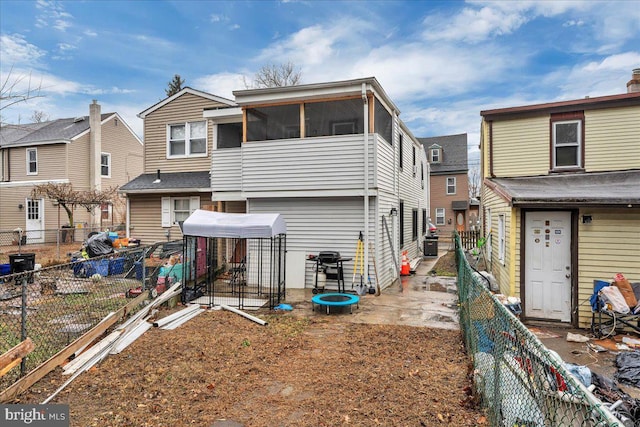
(54, 131)
(169, 182)
(596, 188)
(195, 92)
(587, 103)
(454, 153)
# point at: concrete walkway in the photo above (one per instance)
(418, 300)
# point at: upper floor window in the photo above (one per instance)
(105, 165)
(32, 161)
(383, 122)
(451, 185)
(439, 216)
(275, 122)
(187, 140)
(400, 150)
(327, 118)
(435, 155)
(229, 135)
(566, 142)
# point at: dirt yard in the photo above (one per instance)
(299, 370)
(46, 255)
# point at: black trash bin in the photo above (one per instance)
(19, 263)
(430, 246)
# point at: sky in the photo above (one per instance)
(441, 62)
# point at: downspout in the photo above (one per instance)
(128, 220)
(365, 108)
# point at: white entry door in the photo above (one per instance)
(35, 220)
(548, 265)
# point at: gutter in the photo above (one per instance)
(365, 107)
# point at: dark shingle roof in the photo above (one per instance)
(169, 181)
(596, 188)
(54, 130)
(454, 153)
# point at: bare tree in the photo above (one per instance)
(13, 90)
(174, 85)
(68, 198)
(474, 183)
(39, 116)
(275, 75)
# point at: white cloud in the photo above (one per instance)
(109, 91)
(218, 18)
(222, 84)
(53, 14)
(16, 51)
(608, 76)
(473, 25)
(573, 23)
(90, 33)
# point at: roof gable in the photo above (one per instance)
(454, 153)
(191, 91)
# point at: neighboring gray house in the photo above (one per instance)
(447, 156)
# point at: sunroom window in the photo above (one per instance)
(277, 122)
(344, 117)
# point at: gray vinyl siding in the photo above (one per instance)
(320, 224)
(331, 163)
(226, 169)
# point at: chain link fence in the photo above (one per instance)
(53, 306)
(520, 382)
(19, 240)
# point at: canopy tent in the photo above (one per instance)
(217, 224)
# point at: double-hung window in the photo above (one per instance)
(451, 185)
(439, 216)
(177, 209)
(187, 140)
(567, 144)
(105, 165)
(32, 161)
(435, 155)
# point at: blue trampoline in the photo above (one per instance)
(335, 300)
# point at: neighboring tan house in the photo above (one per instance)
(561, 200)
(177, 160)
(449, 180)
(98, 151)
(300, 151)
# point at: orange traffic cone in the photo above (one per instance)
(405, 270)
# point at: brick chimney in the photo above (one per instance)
(95, 145)
(634, 84)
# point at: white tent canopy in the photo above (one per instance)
(217, 224)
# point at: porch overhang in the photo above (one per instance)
(586, 189)
(169, 182)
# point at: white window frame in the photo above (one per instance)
(435, 155)
(577, 144)
(454, 185)
(440, 219)
(35, 162)
(108, 165)
(187, 140)
(168, 215)
(501, 238)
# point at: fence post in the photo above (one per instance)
(58, 243)
(23, 326)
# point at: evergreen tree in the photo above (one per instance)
(174, 85)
